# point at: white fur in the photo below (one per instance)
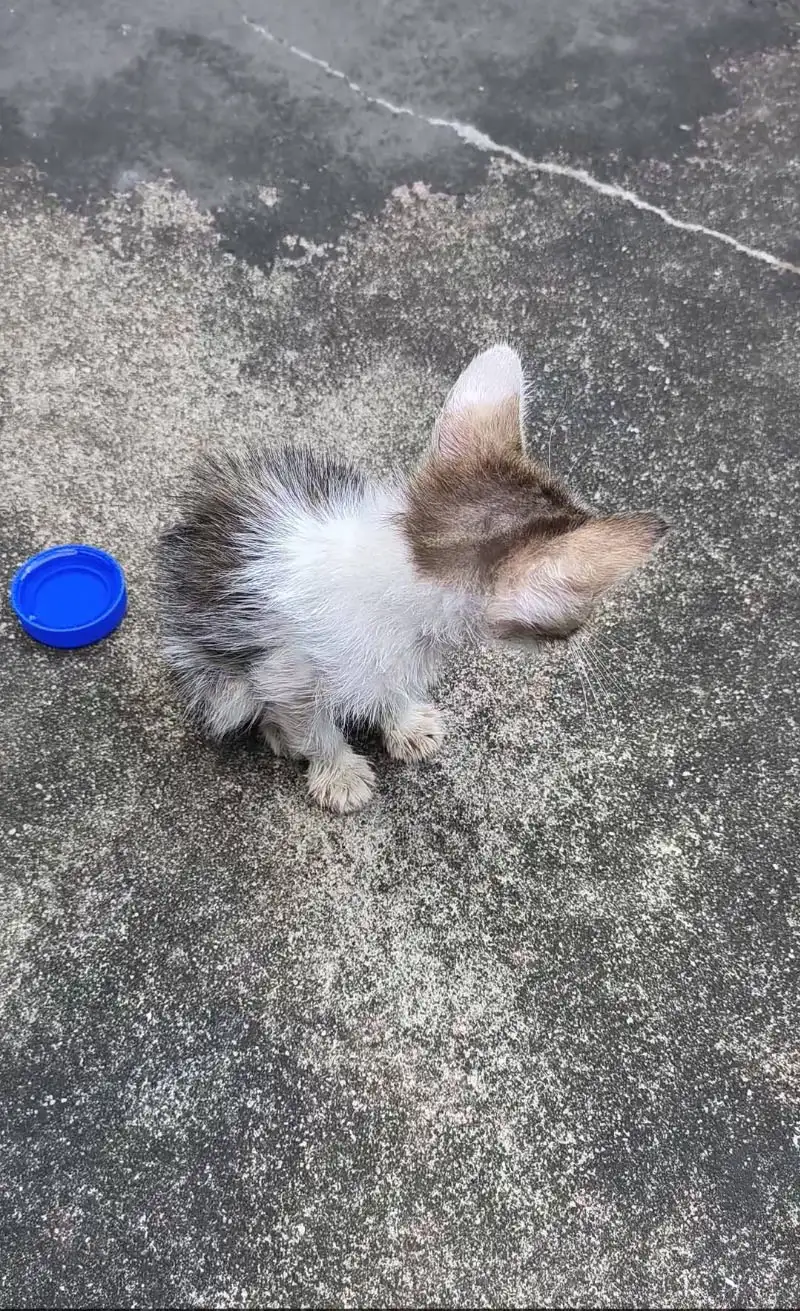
(358, 625)
(491, 378)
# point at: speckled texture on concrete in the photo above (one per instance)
(525, 1031)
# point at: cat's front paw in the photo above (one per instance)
(341, 784)
(417, 736)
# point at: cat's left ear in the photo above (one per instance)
(484, 413)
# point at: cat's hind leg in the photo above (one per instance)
(222, 702)
(270, 730)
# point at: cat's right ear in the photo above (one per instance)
(484, 413)
(548, 589)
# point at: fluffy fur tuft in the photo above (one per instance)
(303, 597)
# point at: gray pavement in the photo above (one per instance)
(525, 1031)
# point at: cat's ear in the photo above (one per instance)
(484, 413)
(548, 590)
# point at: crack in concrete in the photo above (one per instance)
(474, 137)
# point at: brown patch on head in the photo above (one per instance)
(467, 516)
(478, 499)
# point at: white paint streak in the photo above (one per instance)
(474, 137)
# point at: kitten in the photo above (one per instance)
(302, 595)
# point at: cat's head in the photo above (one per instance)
(485, 517)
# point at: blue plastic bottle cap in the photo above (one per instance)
(69, 596)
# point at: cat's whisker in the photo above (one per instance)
(591, 646)
(600, 677)
(589, 683)
(602, 692)
(580, 674)
(553, 426)
(596, 667)
(606, 655)
(610, 676)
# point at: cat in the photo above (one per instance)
(305, 597)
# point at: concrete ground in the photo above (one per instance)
(525, 1031)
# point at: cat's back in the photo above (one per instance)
(238, 511)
